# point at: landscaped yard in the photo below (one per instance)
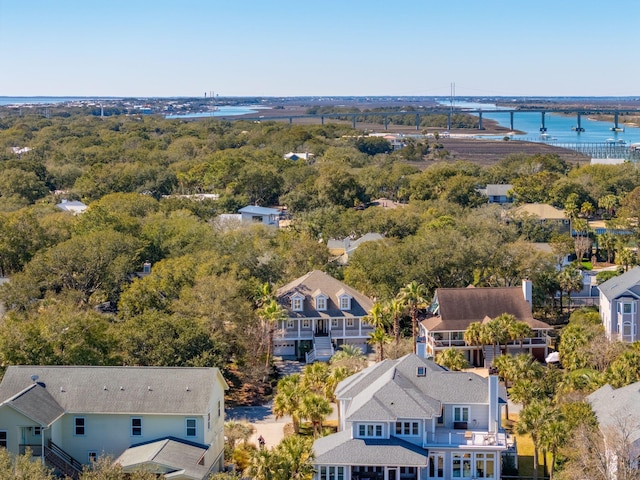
(525, 451)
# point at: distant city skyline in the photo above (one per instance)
(170, 48)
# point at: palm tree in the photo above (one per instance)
(263, 294)
(288, 399)
(314, 377)
(270, 314)
(315, 408)
(234, 431)
(570, 280)
(261, 465)
(395, 308)
(452, 359)
(379, 337)
(377, 316)
(412, 296)
(608, 242)
(532, 420)
(503, 328)
(476, 334)
(609, 203)
(295, 458)
(553, 436)
(519, 331)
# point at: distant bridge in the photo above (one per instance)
(600, 149)
(449, 112)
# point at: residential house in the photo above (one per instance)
(342, 250)
(498, 193)
(168, 420)
(322, 314)
(547, 214)
(72, 206)
(306, 156)
(410, 419)
(618, 411)
(264, 215)
(454, 309)
(619, 299)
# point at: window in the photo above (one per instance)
(3, 438)
(407, 429)
(331, 473)
(485, 465)
(93, 456)
(306, 323)
(334, 323)
(37, 431)
(345, 302)
(370, 430)
(78, 426)
(421, 371)
(136, 427)
(219, 408)
(321, 302)
(626, 307)
(461, 465)
(350, 322)
(191, 425)
(296, 304)
(436, 465)
(460, 414)
(290, 323)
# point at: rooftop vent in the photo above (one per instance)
(149, 388)
(188, 389)
(121, 387)
(104, 388)
(61, 389)
(34, 378)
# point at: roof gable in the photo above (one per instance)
(617, 286)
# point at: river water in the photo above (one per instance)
(559, 127)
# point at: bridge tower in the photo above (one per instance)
(579, 127)
(543, 128)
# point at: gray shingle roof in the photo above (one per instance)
(317, 280)
(36, 403)
(619, 407)
(340, 449)
(622, 284)
(392, 389)
(167, 455)
(161, 390)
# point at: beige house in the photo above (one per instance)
(322, 314)
(167, 420)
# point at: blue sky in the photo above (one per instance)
(312, 47)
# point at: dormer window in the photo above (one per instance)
(345, 302)
(297, 302)
(421, 371)
(321, 303)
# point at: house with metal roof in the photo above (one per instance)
(497, 193)
(322, 314)
(619, 298)
(167, 420)
(264, 215)
(454, 309)
(411, 419)
(343, 249)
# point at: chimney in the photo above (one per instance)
(527, 292)
(494, 405)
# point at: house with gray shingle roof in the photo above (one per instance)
(618, 414)
(412, 419)
(167, 420)
(454, 309)
(619, 298)
(322, 314)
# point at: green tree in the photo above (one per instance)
(379, 337)
(395, 309)
(532, 421)
(569, 280)
(22, 467)
(413, 296)
(288, 399)
(270, 314)
(452, 359)
(315, 408)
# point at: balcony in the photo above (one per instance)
(466, 439)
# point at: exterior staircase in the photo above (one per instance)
(61, 461)
(322, 350)
(487, 351)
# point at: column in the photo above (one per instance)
(344, 328)
(511, 121)
(480, 120)
(542, 128)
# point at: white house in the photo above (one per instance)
(71, 415)
(323, 313)
(619, 298)
(264, 215)
(72, 206)
(410, 419)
